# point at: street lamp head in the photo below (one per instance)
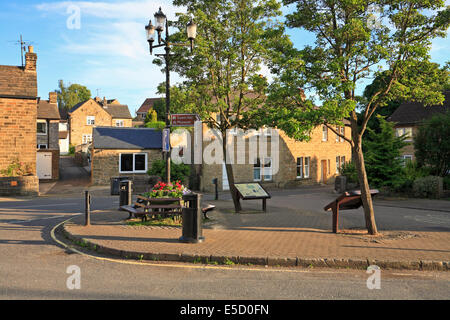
(160, 20)
(191, 29)
(150, 30)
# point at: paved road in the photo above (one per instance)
(32, 266)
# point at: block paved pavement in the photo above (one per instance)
(295, 229)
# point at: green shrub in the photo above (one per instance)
(71, 149)
(446, 183)
(428, 187)
(178, 172)
(349, 170)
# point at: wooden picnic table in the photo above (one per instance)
(145, 206)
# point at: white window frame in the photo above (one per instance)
(134, 162)
(324, 133)
(46, 128)
(255, 167)
(87, 138)
(90, 120)
(404, 131)
(299, 166)
(406, 156)
(120, 123)
(306, 167)
(267, 169)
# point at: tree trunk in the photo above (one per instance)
(365, 189)
(230, 176)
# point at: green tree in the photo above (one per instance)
(349, 50)
(71, 95)
(223, 83)
(432, 145)
(382, 155)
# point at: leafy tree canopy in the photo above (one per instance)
(68, 96)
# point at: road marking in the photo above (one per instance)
(46, 218)
(42, 205)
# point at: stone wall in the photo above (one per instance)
(105, 164)
(18, 132)
(19, 186)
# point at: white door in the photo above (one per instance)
(225, 185)
(44, 165)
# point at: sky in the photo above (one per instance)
(104, 47)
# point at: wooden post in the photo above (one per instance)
(87, 208)
(264, 205)
(335, 216)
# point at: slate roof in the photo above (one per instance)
(117, 111)
(148, 104)
(410, 113)
(126, 138)
(46, 110)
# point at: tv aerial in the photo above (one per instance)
(23, 47)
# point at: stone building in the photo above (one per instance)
(123, 152)
(48, 117)
(84, 116)
(287, 163)
(18, 115)
(409, 116)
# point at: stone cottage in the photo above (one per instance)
(123, 152)
(289, 163)
(18, 115)
(48, 118)
(84, 116)
(409, 116)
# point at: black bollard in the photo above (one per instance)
(87, 208)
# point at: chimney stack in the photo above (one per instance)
(52, 97)
(30, 60)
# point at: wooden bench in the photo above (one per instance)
(347, 201)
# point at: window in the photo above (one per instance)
(406, 158)
(133, 163)
(119, 123)
(328, 166)
(257, 170)
(341, 139)
(324, 133)
(300, 167)
(342, 161)
(404, 131)
(90, 120)
(303, 167)
(87, 138)
(42, 146)
(338, 164)
(337, 137)
(306, 167)
(42, 127)
(267, 169)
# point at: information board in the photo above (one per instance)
(251, 191)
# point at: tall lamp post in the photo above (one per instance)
(161, 22)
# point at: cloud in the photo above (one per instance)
(112, 10)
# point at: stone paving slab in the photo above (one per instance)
(265, 244)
